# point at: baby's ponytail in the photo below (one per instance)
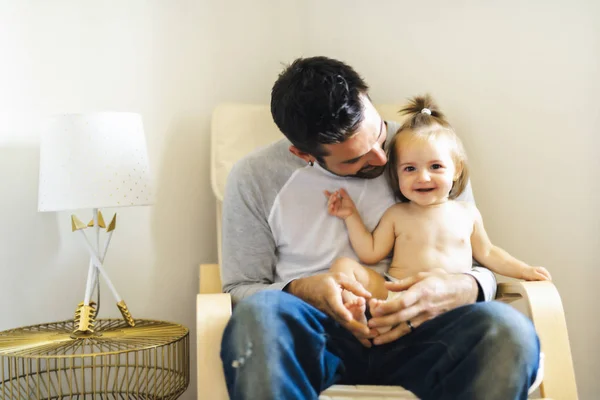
(422, 111)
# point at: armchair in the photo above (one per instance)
(214, 307)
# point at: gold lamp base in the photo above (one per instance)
(147, 361)
(85, 318)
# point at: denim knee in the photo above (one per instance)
(511, 331)
(271, 337)
(246, 342)
(512, 349)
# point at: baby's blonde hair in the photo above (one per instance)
(426, 122)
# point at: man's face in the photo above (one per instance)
(362, 155)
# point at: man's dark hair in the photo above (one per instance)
(316, 101)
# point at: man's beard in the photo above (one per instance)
(370, 172)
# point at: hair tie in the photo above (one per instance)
(426, 111)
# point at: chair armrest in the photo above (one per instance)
(210, 278)
(212, 313)
(546, 311)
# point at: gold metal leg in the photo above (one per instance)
(125, 312)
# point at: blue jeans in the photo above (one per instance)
(276, 346)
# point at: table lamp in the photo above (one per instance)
(94, 161)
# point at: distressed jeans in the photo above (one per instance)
(278, 347)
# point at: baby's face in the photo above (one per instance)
(426, 170)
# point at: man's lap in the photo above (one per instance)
(420, 359)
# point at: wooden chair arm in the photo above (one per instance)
(546, 311)
(210, 279)
(212, 313)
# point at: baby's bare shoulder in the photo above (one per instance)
(399, 208)
(396, 212)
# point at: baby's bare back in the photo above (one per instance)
(432, 237)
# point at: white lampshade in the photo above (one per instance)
(94, 160)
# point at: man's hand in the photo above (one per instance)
(427, 295)
(324, 291)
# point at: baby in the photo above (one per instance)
(428, 228)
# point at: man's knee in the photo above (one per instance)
(508, 329)
(509, 349)
(262, 339)
(252, 325)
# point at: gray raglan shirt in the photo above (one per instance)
(276, 227)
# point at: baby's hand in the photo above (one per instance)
(340, 204)
(536, 274)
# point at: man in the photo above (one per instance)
(290, 336)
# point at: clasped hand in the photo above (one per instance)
(425, 296)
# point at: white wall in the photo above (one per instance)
(520, 82)
(171, 62)
(517, 79)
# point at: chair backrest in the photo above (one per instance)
(238, 129)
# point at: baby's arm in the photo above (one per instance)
(498, 260)
(369, 247)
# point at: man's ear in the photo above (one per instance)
(300, 154)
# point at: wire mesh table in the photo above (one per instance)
(46, 361)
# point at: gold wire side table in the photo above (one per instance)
(147, 361)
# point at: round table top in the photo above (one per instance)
(111, 336)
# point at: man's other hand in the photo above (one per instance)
(426, 295)
(324, 291)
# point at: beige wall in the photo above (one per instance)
(518, 80)
(171, 61)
